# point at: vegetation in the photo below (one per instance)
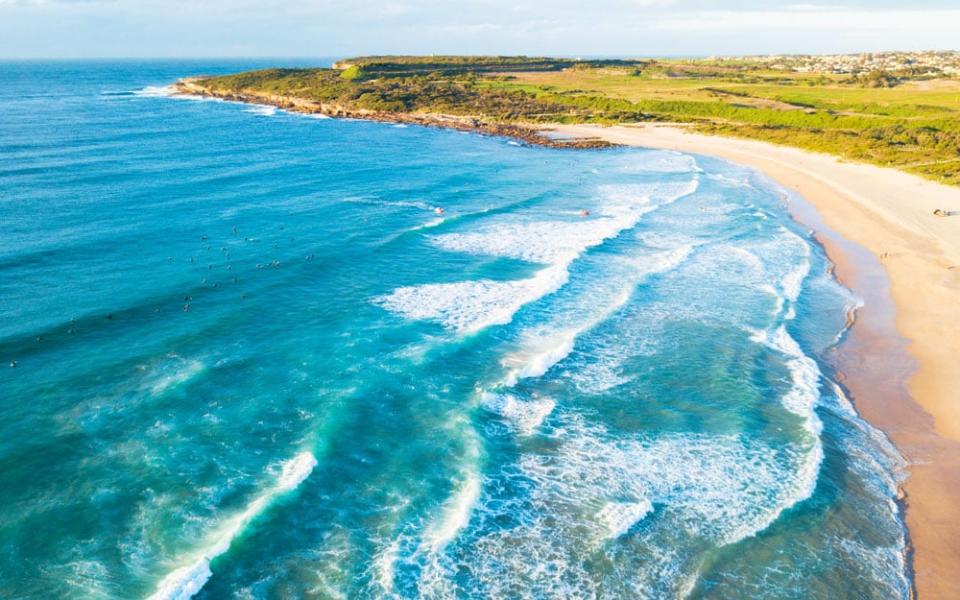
(879, 117)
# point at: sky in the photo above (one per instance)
(324, 28)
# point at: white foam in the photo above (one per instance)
(429, 224)
(748, 258)
(724, 487)
(184, 582)
(169, 91)
(742, 181)
(893, 463)
(473, 305)
(882, 469)
(662, 192)
(547, 345)
(801, 399)
(805, 375)
(719, 209)
(546, 242)
(659, 161)
(619, 517)
(156, 91)
(525, 416)
(604, 371)
(89, 577)
(470, 306)
(594, 487)
(384, 565)
(455, 513)
(539, 354)
(174, 373)
(792, 282)
(262, 110)
(886, 564)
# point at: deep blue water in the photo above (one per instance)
(243, 355)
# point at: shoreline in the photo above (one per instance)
(528, 134)
(900, 360)
(878, 230)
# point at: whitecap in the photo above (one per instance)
(659, 161)
(184, 582)
(742, 181)
(384, 565)
(537, 355)
(596, 487)
(156, 91)
(548, 344)
(262, 110)
(792, 282)
(620, 517)
(470, 306)
(525, 416)
(455, 513)
(429, 224)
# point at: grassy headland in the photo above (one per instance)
(907, 118)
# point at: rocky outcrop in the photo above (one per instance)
(525, 133)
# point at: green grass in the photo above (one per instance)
(914, 126)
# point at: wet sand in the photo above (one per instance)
(900, 361)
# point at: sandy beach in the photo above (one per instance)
(901, 360)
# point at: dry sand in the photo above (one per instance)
(890, 214)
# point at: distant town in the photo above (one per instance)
(917, 64)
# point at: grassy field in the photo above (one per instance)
(901, 120)
(914, 125)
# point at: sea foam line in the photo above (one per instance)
(470, 306)
(541, 352)
(453, 517)
(187, 580)
(802, 398)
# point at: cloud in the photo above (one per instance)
(332, 27)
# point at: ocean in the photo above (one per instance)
(248, 353)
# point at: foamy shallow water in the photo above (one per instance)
(253, 361)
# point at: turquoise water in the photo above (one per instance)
(244, 356)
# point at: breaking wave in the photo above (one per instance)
(187, 580)
(470, 306)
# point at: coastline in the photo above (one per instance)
(528, 134)
(878, 228)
